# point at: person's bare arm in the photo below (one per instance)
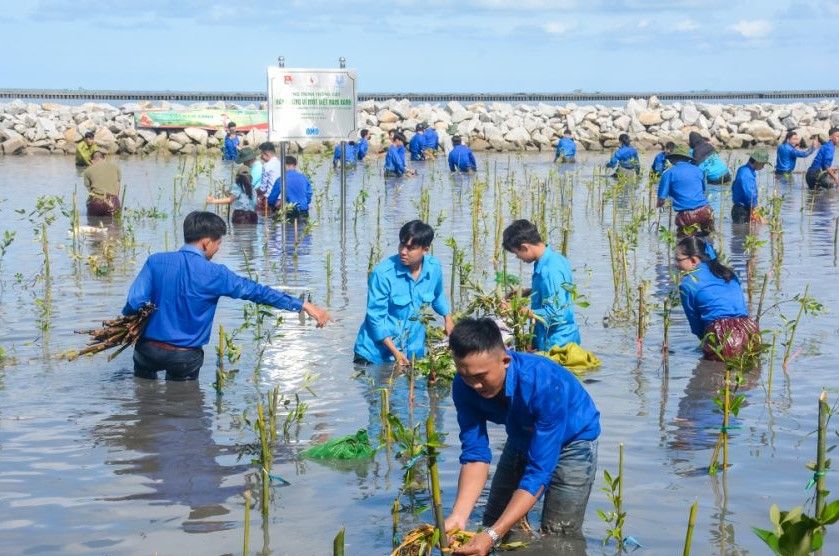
(473, 477)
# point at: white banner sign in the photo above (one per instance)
(311, 104)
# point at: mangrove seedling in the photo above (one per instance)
(691, 526)
(614, 492)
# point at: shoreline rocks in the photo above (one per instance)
(51, 128)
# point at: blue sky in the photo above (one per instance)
(423, 45)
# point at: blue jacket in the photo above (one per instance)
(660, 163)
(361, 148)
(461, 158)
(744, 188)
(566, 147)
(685, 184)
(626, 156)
(787, 155)
(417, 146)
(432, 140)
(185, 288)
(551, 302)
(713, 167)
(706, 298)
(231, 147)
(395, 160)
(394, 300)
(824, 158)
(352, 157)
(544, 408)
(298, 190)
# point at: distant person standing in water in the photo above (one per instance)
(744, 188)
(363, 145)
(660, 161)
(432, 140)
(417, 144)
(789, 153)
(231, 142)
(461, 157)
(242, 195)
(625, 158)
(85, 149)
(821, 175)
(708, 160)
(684, 183)
(566, 148)
(102, 181)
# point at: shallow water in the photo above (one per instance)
(93, 461)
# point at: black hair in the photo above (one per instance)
(398, 136)
(243, 180)
(89, 135)
(416, 232)
(566, 131)
(419, 127)
(364, 133)
(475, 336)
(693, 246)
(290, 160)
(790, 134)
(351, 142)
(200, 224)
(623, 138)
(456, 140)
(832, 131)
(231, 124)
(670, 146)
(520, 232)
(268, 147)
(695, 138)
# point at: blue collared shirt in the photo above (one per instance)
(432, 140)
(566, 147)
(352, 157)
(824, 158)
(626, 156)
(706, 298)
(256, 173)
(417, 145)
(713, 167)
(231, 147)
(298, 190)
(461, 158)
(744, 188)
(185, 288)
(361, 148)
(551, 302)
(787, 155)
(395, 160)
(394, 300)
(543, 407)
(685, 184)
(660, 162)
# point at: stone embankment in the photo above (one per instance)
(27, 128)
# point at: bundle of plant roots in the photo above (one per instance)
(422, 540)
(121, 332)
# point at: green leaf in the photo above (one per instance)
(607, 476)
(792, 516)
(797, 540)
(775, 516)
(768, 537)
(830, 513)
(603, 515)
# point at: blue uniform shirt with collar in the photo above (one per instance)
(713, 167)
(626, 156)
(706, 298)
(185, 288)
(552, 303)
(394, 301)
(432, 140)
(566, 147)
(351, 159)
(395, 160)
(461, 158)
(543, 408)
(744, 188)
(685, 184)
(660, 163)
(298, 190)
(361, 148)
(824, 158)
(787, 156)
(231, 147)
(417, 145)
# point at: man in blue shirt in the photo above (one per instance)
(566, 148)
(625, 159)
(298, 190)
(363, 145)
(660, 161)
(231, 142)
(351, 157)
(395, 156)
(184, 287)
(397, 290)
(684, 182)
(788, 153)
(552, 429)
(820, 174)
(461, 157)
(744, 188)
(432, 140)
(417, 144)
(551, 304)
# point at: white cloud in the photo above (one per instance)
(754, 29)
(644, 23)
(686, 25)
(558, 27)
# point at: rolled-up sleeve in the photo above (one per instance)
(378, 296)
(140, 292)
(235, 286)
(474, 441)
(546, 442)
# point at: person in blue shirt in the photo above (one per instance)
(550, 293)
(241, 196)
(820, 174)
(552, 429)
(707, 159)
(744, 188)
(713, 302)
(184, 287)
(395, 156)
(566, 148)
(363, 145)
(660, 160)
(417, 144)
(298, 191)
(351, 156)
(789, 153)
(461, 157)
(231, 142)
(432, 140)
(625, 159)
(684, 183)
(397, 290)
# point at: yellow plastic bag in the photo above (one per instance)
(573, 357)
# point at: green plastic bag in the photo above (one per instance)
(354, 446)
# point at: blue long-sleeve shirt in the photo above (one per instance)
(626, 156)
(185, 288)
(786, 157)
(685, 184)
(416, 146)
(231, 147)
(432, 140)
(706, 298)
(461, 158)
(824, 158)
(394, 300)
(298, 190)
(395, 160)
(566, 147)
(552, 303)
(351, 156)
(713, 167)
(361, 148)
(744, 188)
(543, 407)
(660, 163)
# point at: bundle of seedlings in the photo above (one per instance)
(121, 332)
(353, 446)
(421, 540)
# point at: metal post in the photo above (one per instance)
(342, 63)
(283, 146)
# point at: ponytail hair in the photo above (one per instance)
(623, 139)
(243, 180)
(694, 246)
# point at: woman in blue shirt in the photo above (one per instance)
(625, 158)
(713, 302)
(241, 195)
(788, 153)
(566, 148)
(708, 160)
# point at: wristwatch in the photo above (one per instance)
(493, 535)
